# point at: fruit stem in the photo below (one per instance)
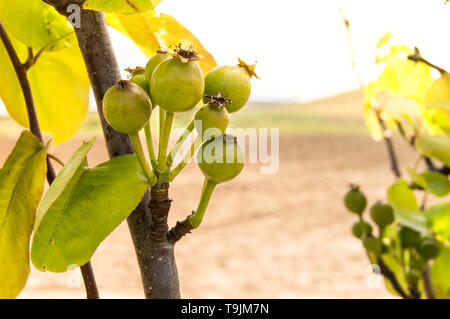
(179, 142)
(196, 219)
(187, 157)
(151, 150)
(162, 118)
(136, 142)
(163, 142)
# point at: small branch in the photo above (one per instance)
(180, 230)
(21, 72)
(386, 132)
(390, 146)
(32, 60)
(417, 57)
(89, 281)
(428, 283)
(389, 275)
(57, 160)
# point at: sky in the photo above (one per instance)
(301, 46)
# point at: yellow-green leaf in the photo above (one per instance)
(384, 39)
(150, 31)
(121, 6)
(21, 186)
(404, 78)
(33, 22)
(372, 123)
(436, 146)
(60, 89)
(406, 210)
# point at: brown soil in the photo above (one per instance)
(264, 236)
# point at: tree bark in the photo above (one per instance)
(156, 260)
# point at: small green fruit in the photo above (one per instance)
(127, 108)
(221, 159)
(233, 82)
(138, 77)
(429, 248)
(409, 237)
(382, 214)
(361, 229)
(177, 83)
(373, 245)
(213, 115)
(355, 201)
(160, 56)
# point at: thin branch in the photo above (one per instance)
(387, 137)
(21, 72)
(428, 283)
(417, 57)
(180, 230)
(389, 275)
(32, 60)
(386, 133)
(57, 160)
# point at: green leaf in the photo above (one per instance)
(121, 6)
(92, 204)
(436, 146)
(150, 31)
(60, 89)
(21, 186)
(434, 182)
(384, 39)
(440, 273)
(406, 210)
(438, 218)
(35, 23)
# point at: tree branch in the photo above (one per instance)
(21, 72)
(156, 260)
(417, 57)
(389, 275)
(387, 137)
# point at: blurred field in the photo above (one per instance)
(285, 235)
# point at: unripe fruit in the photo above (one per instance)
(382, 214)
(429, 248)
(409, 237)
(221, 159)
(138, 77)
(373, 245)
(355, 201)
(127, 108)
(361, 229)
(160, 56)
(177, 83)
(213, 115)
(232, 81)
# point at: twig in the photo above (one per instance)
(57, 160)
(417, 57)
(428, 283)
(21, 72)
(387, 137)
(89, 281)
(389, 275)
(386, 133)
(179, 230)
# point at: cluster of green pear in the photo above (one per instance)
(391, 234)
(174, 81)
